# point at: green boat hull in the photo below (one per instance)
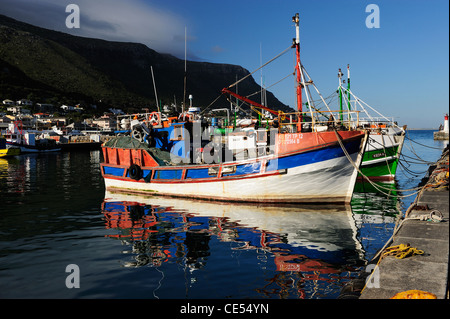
(381, 164)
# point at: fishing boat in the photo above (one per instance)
(27, 141)
(386, 138)
(7, 151)
(289, 160)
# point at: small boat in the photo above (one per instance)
(27, 141)
(288, 161)
(386, 138)
(7, 151)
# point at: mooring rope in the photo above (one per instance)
(415, 190)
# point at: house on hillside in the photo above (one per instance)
(105, 122)
(5, 120)
(8, 102)
(18, 110)
(43, 107)
(25, 102)
(67, 108)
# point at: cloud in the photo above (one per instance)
(115, 20)
(217, 49)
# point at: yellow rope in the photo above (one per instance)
(401, 251)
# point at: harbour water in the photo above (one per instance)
(54, 213)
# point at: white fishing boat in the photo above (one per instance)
(29, 141)
(386, 137)
(292, 161)
(7, 151)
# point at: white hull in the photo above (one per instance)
(381, 141)
(328, 181)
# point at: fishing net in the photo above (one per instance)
(162, 157)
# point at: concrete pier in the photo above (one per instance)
(441, 135)
(422, 229)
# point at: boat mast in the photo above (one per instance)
(185, 69)
(154, 87)
(296, 44)
(348, 87)
(340, 74)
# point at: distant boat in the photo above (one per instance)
(293, 161)
(7, 151)
(29, 142)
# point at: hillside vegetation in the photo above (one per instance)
(46, 65)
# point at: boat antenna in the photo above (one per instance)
(296, 45)
(185, 69)
(154, 88)
(340, 74)
(348, 86)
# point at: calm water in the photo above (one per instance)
(54, 212)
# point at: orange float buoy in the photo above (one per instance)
(414, 294)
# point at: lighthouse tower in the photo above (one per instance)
(442, 134)
(446, 123)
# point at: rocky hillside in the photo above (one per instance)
(46, 64)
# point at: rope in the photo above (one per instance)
(401, 251)
(435, 148)
(273, 59)
(210, 104)
(434, 216)
(377, 187)
(235, 83)
(268, 87)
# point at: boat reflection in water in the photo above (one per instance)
(282, 252)
(376, 209)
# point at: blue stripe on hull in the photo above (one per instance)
(312, 157)
(282, 163)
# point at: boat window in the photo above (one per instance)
(177, 134)
(226, 170)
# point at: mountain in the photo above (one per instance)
(52, 65)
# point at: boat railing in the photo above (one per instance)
(320, 120)
(314, 121)
(377, 121)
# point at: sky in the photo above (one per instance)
(400, 68)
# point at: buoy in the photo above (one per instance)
(414, 294)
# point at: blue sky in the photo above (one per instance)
(401, 68)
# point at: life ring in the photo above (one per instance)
(154, 118)
(183, 116)
(135, 172)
